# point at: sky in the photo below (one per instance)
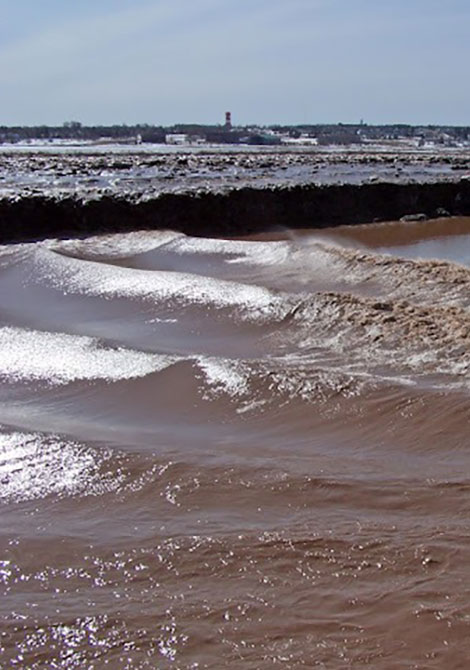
(267, 61)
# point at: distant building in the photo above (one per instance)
(339, 135)
(303, 140)
(263, 139)
(176, 138)
(228, 121)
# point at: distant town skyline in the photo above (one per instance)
(305, 61)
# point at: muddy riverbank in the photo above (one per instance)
(77, 192)
(235, 212)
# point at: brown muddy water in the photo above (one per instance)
(237, 453)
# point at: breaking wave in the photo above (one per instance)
(234, 452)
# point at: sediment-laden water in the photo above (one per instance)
(226, 453)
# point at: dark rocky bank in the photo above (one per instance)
(235, 212)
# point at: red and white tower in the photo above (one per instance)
(228, 120)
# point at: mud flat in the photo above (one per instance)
(222, 193)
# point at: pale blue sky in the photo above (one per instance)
(268, 61)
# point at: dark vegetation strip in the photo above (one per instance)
(236, 212)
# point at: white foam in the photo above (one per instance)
(98, 279)
(34, 466)
(245, 251)
(59, 358)
(286, 378)
(115, 245)
(224, 376)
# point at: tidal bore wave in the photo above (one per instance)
(234, 453)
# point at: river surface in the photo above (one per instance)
(244, 453)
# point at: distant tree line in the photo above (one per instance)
(342, 133)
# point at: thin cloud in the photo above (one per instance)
(305, 60)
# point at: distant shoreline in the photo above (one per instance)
(277, 135)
